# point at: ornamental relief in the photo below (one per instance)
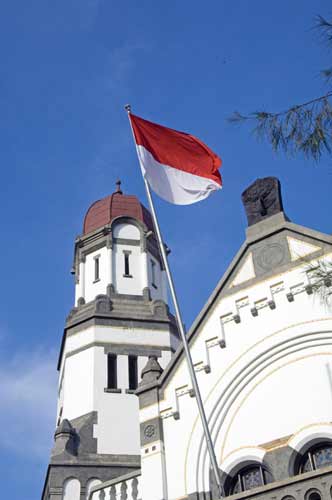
(149, 431)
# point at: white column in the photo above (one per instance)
(122, 367)
(81, 283)
(153, 465)
(163, 286)
(109, 266)
(145, 273)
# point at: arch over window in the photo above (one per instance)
(247, 477)
(315, 457)
(126, 230)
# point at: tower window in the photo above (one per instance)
(126, 255)
(96, 259)
(112, 376)
(153, 274)
(132, 371)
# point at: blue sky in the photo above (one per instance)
(67, 69)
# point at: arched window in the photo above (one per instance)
(71, 489)
(248, 478)
(90, 484)
(316, 457)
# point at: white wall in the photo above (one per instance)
(87, 287)
(123, 284)
(116, 335)
(275, 368)
(111, 268)
(302, 395)
(85, 378)
(117, 429)
(158, 291)
(78, 384)
(92, 287)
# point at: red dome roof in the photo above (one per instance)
(103, 211)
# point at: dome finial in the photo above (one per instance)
(118, 187)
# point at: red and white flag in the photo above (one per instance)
(179, 167)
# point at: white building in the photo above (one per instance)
(261, 347)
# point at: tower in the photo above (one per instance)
(120, 319)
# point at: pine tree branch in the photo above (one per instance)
(305, 128)
(325, 28)
(264, 114)
(320, 276)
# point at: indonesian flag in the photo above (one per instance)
(179, 167)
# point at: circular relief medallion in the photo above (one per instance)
(271, 256)
(149, 431)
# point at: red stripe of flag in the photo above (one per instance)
(177, 149)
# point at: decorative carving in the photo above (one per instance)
(80, 302)
(103, 304)
(66, 439)
(149, 431)
(271, 256)
(72, 313)
(151, 371)
(159, 309)
(262, 199)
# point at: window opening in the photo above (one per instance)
(314, 496)
(112, 378)
(126, 255)
(153, 274)
(317, 457)
(132, 370)
(247, 479)
(97, 277)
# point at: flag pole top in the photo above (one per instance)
(128, 108)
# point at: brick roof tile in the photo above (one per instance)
(103, 211)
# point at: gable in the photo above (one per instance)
(276, 250)
(272, 247)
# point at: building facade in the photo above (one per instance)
(261, 347)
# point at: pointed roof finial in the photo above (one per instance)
(118, 187)
(151, 371)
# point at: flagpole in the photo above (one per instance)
(179, 321)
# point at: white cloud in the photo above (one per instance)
(28, 402)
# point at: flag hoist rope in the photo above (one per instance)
(191, 369)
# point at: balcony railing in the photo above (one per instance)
(121, 488)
